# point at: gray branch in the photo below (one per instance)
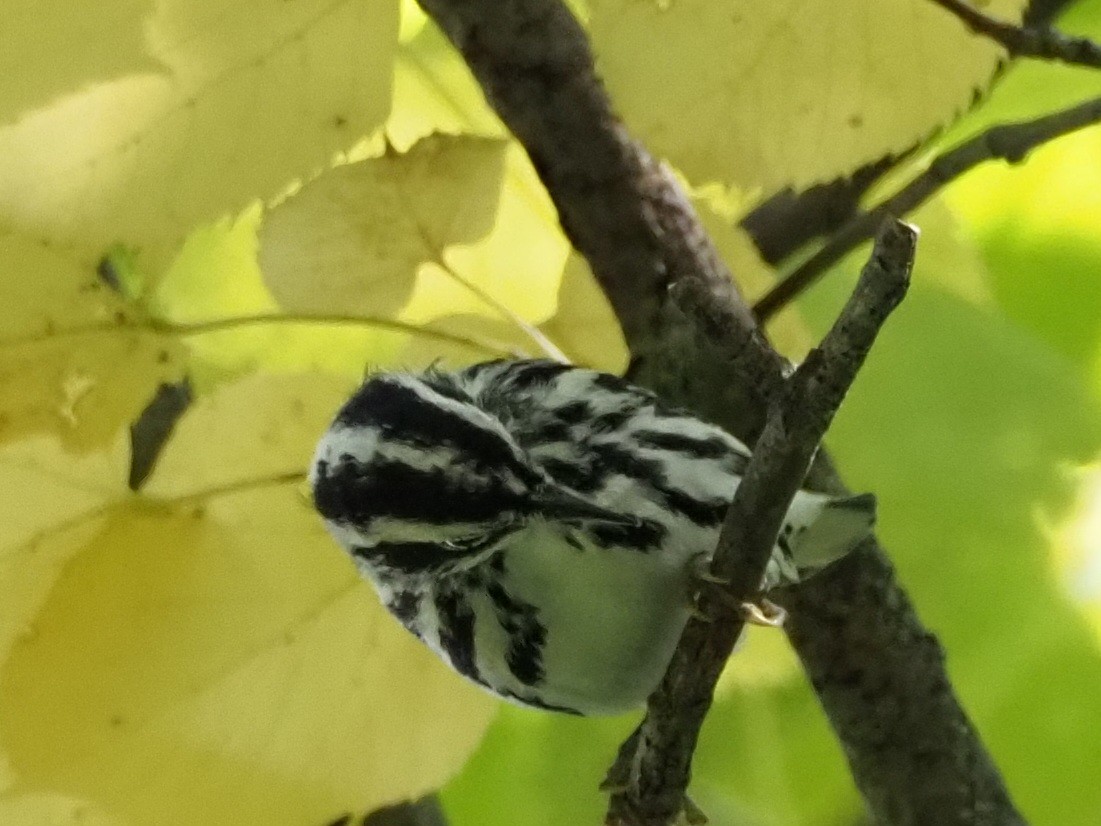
(1026, 41)
(1010, 142)
(657, 779)
(625, 213)
(423, 812)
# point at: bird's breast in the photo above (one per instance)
(611, 616)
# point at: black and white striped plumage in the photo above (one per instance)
(535, 524)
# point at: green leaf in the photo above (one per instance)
(433, 88)
(538, 768)
(963, 424)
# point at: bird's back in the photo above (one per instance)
(615, 444)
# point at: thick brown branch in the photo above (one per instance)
(659, 775)
(619, 207)
(1025, 41)
(1007, 142)
(640, 236)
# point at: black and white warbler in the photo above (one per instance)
(535, 524)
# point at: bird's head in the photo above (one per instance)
(414, 476)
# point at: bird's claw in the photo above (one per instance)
(763, 612)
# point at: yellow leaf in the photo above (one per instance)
(211, 655)
(251, 96)
(351, 240)
(32, 809)
(477, 338)
(75, 359)
(433, 88)
(776, 94)
(516, 265)
(99, 39)
(224, 663)
(214, 298)
(584, 326)
(519, 262)
(258, 427)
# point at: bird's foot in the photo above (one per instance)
(764, 612)
(759, 611)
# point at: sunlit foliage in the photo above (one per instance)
(270, 198)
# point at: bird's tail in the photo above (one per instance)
(819, 529)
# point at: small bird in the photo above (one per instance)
(538, 525)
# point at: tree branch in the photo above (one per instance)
(1027, 41)
(423, 812)
(660, 767)
(634, 225)
(1006, 142)
(786, 221)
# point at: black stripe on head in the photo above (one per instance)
(522, 375)
(446, 386)
(613, 420)
(428, 557)
(549, 432)
(614, 384)
(474, 371)
(357, 493)
(711, 447)
(406, 557)
(455, 619)
(404, 415)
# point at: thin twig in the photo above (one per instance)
(660, 767)
(164, 327)
(538, 337)
(1024, 41)
(1008, 142)
(787, 220)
